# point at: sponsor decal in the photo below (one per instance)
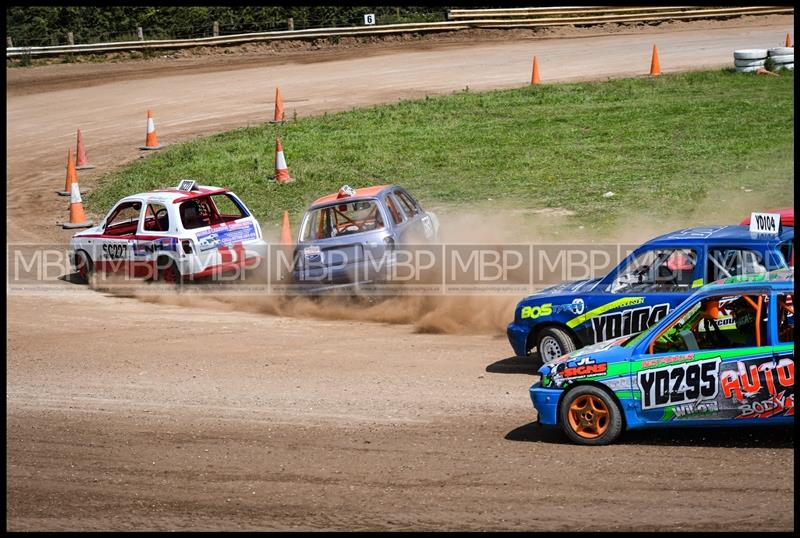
(576, 307)
(225, 235)
(164, 244)
(649, 363)
(534, 312)
(696, 409)
(761, 388)
(774, 405)
(585, 367)
(619, 303)
(631, 321)
(679, 384)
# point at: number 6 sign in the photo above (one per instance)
(369, 18)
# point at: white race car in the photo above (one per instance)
(171, 235)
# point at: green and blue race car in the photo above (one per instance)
(723, 357)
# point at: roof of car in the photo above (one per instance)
(364, 192)
(174, 195)
(734, 233)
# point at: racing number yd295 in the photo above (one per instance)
(115, 250)
(679, 384)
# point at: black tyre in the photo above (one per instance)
(589, 416)
(553, 342)
(169, 273)
(83, 266)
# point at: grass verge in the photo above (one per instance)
(663, 145)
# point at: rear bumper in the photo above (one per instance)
(226, 268)
(545, 401)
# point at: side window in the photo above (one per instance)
(156, 218)
(227, 208)
(657, 270)
(717, 322)
(124, 219)
(785, 317)
(409, 204)
(787, 249)
(394, 212)
(727, 262)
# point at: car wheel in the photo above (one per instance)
(589, 416)
(552, 343)
(170, 274)
(83, 266)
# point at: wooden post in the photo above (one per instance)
(290, 23)
(397, 13)
(216, 28)
(9, 43)
(140, 33)
(70, 38)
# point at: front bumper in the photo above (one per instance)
(518, 338)
(545, 401)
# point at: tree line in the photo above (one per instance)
(44, 25)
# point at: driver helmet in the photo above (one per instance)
(679, 261)
(711, 308)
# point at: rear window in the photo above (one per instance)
(209, 210)
(342, 219)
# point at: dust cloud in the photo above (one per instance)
(449, 313)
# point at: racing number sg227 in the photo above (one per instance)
(115, 250)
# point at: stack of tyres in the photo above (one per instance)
(747, 60)
(783, 57)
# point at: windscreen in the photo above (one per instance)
(342, 219)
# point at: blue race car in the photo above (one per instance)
(723, 357)
(644, 287)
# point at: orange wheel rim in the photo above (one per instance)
(588, 416)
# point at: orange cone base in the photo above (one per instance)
(62, 193)
(152, 147)
(279, 121)
(287, 180)
(69, 225)
(85, 167)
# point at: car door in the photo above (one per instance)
(114, 248)
(156, 236)
(402, 223)
(782, 330)
(420, 225)
(641, 291)
(688, 370)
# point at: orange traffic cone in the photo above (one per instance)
(72, 175)
(762, 71)
(535, 74)
(286, 231)
(788, 40)
(279, 115)
(655, 67)
(77, 218)
(151, 142)
(82, 163)
(281, 171)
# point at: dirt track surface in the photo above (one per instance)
(167, 417)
